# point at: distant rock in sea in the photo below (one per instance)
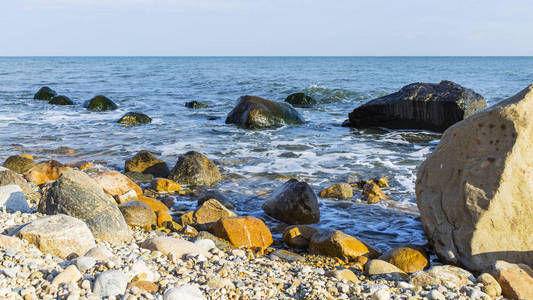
(100, 103)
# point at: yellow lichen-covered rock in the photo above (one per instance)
(156, 205)
(338, 244)
(372, 193)
(162, 217)
(165, 185)
(28, 156)
(337, 191)
(243, 231)
(408, 259)
(45, 171)
(475, 191)
(145, 162)
(19, 164)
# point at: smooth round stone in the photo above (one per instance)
(189, 292)
(110, 284)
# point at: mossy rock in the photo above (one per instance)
(19, 164)
(61, 100)
(44, 93)
(134, 118)
(100, 103)
(300, 100)
(196, 105)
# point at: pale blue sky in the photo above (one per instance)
(266, 27)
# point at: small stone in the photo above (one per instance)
(381, 295)
(110, 284)
(130, 195)
(380, 267)
(61, 100)
(162, 217)
(101, 255)
(145, 162)
(342, 275)
(189, 292)
(195, 105)
(144, 285)
(516, 280)
(19, 164)
(205, 244)
(100, 103)
(337, 191)
(243, 231)
(372, 193)
(84, 263)
(288, 255)
(12, 198)
(45, 171)
(10, 242)
(337, 244)
(134, 118)
(71, 273)
(115, 184)
(298, 236)
(409, 259)
(490, 286)
(435, 295)
(217, 282)
(165, 185)
(195, 168)
(45, 93)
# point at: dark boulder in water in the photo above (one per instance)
(195, 168)
(195, 105)
(100, 103)
(134, 118)
(300, 100)
(45, 93)
(145, 162)
(61, 100)
(255, 113)
(419, 106)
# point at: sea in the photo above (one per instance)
(253, 162)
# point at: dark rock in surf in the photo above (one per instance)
(300, 100)
(195, 169)
(294, 202)
(195, 105)
(145, 162)
(61, 100)
(419, 106)
(134, 118)
(44, 93)
(255, 113)
(100, 103)
(19, 164)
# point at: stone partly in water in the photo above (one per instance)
(372, 193)
(45, 171)
(255, 113)
(137, 213)
(60, 235)
(474, 191)
(207, 214)
(165, 185)
(243, 231)
(145, 162)
(516, 280)
(78, 195)
(337, 191)
(115, 183)
(419, 106)
(140, 178)
(12, 199)
(100, 103)
(61, 100)
(215, 194)
(195, 105)
(45, 93)
(300, 100)
(409, 259)
(194, 168)
(338, 244)
(298, 236)
(134, 118)
(19, 164)
(294, 202)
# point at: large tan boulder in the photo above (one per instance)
(115, 183)
(475, 191)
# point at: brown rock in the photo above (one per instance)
(206, 215)
(337, 191)
(145, 162)
(144, 285)
(337, 244)
(156, 205)
(165, 185)
(195, 169)
(115, 184)
(380, 267)
(162, 217)
(516, 280)
(408, 259)
(19, 164)
(243, 231)
(137, 213)
(298, 236)
(45, 171)
(372, 193)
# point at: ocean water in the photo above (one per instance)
(253, 163)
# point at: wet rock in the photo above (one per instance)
(255, 113)
(19, 164)
(189, 292)
(70, 274)
(45, 93)
(145, 162)
(344, 274)
(156, 205)
(409, 259)
(490, 286)
(45, 171)
(419, 106)
(298, 236)
(300, 100)
(207, 214)
(115, 184)
(516, 280)
(338, 244)
(140, 178)
(178, 248)
(214, 194)
(100, 103)
(137, 213)
(195, 169)
(372, 193)
(465, 188)
(134, 118)
(60, 235)
(337, 191)
(195, 105)
(243, 231)
(294, 202)
(165, 185)
(380, 267)
(12, 198)
(61, 100)
(444, 275)
(110, 284)
(78, 195)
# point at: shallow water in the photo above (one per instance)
(320, 151)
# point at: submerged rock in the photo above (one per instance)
(61, 100)
(419, 106)
(372, 193)
(100, 103)
(145, 162)
(294, 202)
(474, 191)
(195, 105)
(300, 100)
(195, 168)
(255, 113)
(19, 164)
(134, 118)
(44, 93)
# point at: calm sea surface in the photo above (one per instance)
(320, 151)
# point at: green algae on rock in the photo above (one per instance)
(100, 103)
(134, 118)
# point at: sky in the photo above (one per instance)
(265, 27)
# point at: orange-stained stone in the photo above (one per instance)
(148, 286)
(243, 231)
(115, 183)
(165, 185)
(156, 205)
(163, 216)
(81, 165)
(28, 156)
(45, 171)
